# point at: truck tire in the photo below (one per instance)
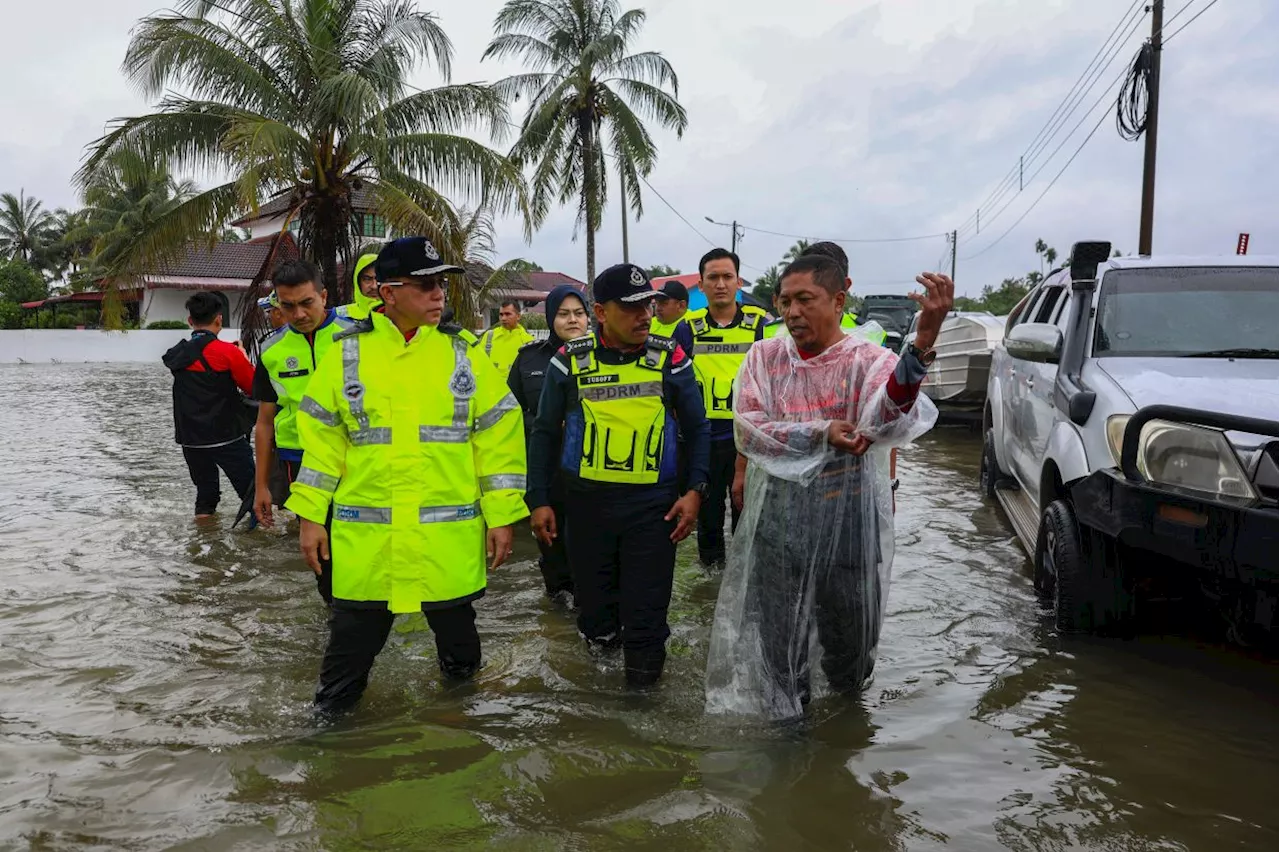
(990, 479)
(1088, 586)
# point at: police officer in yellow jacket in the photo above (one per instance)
(417, 444)
(502, 342)
(720, 336)
(620, 394)
(288, 359)
(364, 279)
(669, 307)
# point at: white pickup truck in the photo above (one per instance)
(1130, 436)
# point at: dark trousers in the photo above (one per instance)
(554, 560)
(235, 460)
(815, 566)
(356, 636)
(623, 563)
(711, 547)
(282, 483)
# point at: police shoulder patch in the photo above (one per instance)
(658, 341)
(580, 344)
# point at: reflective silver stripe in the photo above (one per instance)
(461, 364)
(316, 479)
(367, 437)
(351, 386)
(361, 514)
(605, 393)
(720, 348)
(493, 415)
(499, 481)
(444, 514)
(281, 391)
(319, 412)
(488, 343)
(444, 434)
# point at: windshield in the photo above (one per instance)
(1188, 312)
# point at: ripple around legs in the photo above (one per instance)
(156, 677)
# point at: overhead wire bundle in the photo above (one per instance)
(1132, 101)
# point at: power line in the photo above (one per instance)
(1101, 119)
(1190, 22)
(842, 240)
(645, 181)
(1034, 151)
(1007, 182)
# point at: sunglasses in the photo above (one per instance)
(422, 286)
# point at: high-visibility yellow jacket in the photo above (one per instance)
(663, 329)
(502, 345)
(847, 322)
(718, 354)
(291, 358)
(363, 305)
(419, 447)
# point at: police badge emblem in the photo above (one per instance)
(353, 391)
(637, 277)
(291, 363)
(463, 384)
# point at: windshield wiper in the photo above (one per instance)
(1235, 353)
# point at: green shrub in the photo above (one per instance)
(11, 315)
(167, 325)
(533, 321)
(64, 321)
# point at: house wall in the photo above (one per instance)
(271, 225)
(158, 305)
(91, 346)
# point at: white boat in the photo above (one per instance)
(957, 379)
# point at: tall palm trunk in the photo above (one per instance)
(622, 205)
(590, 206)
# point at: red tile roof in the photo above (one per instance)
(689, 280)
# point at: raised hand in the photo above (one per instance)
(937, 300)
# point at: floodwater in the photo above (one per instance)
(155, 679)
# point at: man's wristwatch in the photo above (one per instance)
(703, 490)
(924, 356)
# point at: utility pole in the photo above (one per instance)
(739, 231)
(1153, 115)
(953, 256)
(622, 199)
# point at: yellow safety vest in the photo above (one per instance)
(501, 346)
(624, 411)
(663, 329)
(718, 354)
(290, 360)
(418, 447)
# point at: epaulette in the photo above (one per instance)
(534, 342)
(363, 326)
(659, 341)
(452, 328)
(579, 345)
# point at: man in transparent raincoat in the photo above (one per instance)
(815, 413)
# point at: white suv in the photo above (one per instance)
(1130, 435)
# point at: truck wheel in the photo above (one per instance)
(1087, 597)
(989, 476)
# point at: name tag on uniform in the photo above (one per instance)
(466, 513)
(600, 380)
(293, 374)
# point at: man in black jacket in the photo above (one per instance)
(210, 418)
(567, 319)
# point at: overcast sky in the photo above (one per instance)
(849, 120)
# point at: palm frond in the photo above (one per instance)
(654, 103)
(444, 109)
(537, 53)
(648, 67)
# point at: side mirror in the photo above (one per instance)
(1035, 341)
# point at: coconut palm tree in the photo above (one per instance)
(308, 101)
(26, 228)
(766, 284)
(587, 97)
(800, 247)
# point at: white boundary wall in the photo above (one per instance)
(90, 346)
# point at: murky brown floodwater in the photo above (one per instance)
(155, 680)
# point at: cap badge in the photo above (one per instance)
(637, 277)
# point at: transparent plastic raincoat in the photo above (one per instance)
(805, 585)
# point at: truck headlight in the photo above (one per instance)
(1184, 456)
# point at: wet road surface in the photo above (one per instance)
(155, 680)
